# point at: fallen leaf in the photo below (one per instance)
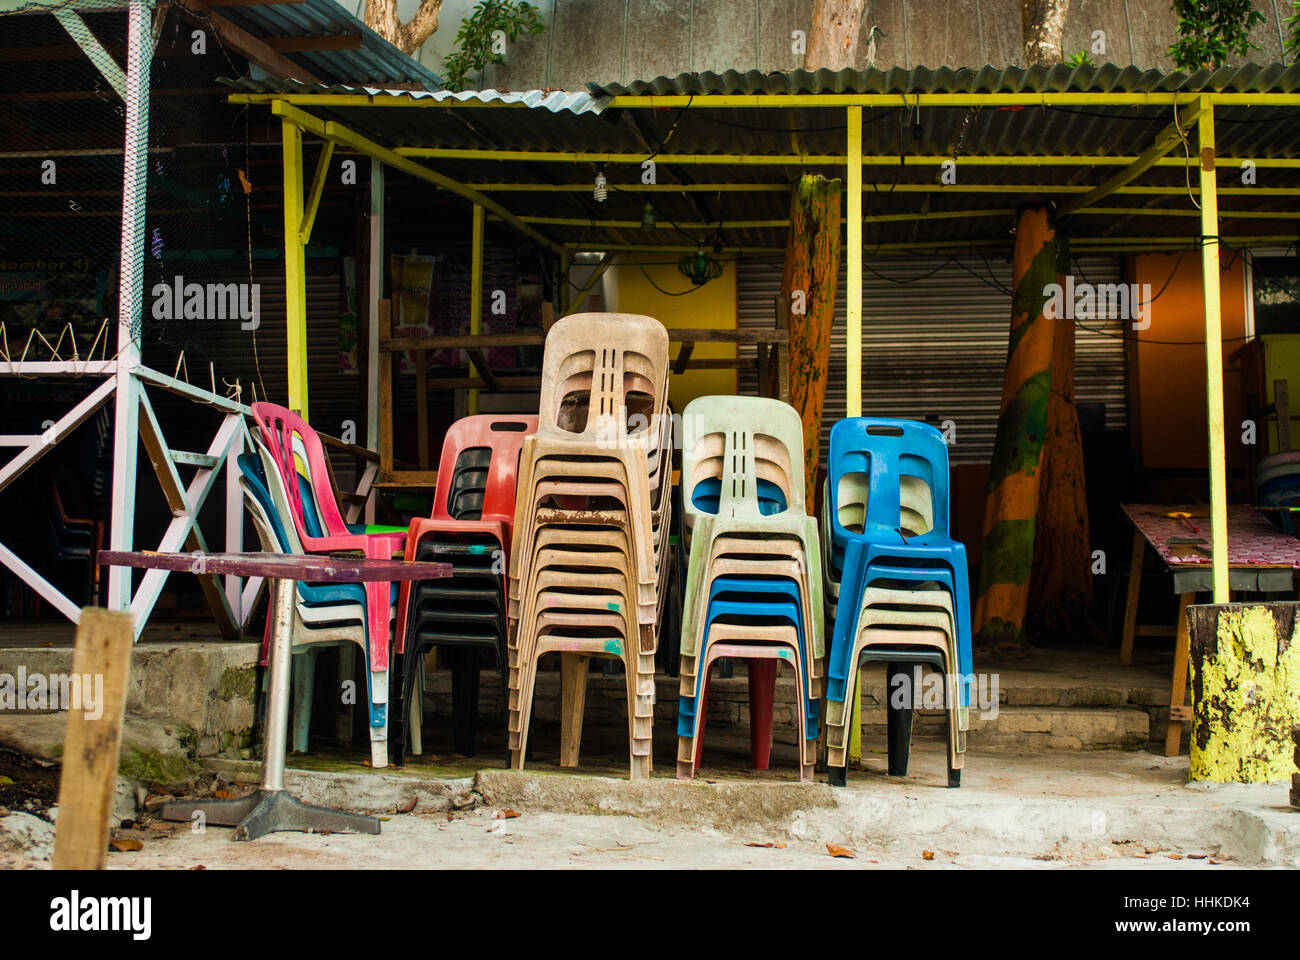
(1196, 856)
(226, 795)
(835, 851)
(408, 807)
(1152, 849)
(6, 782)
(49, 644)
(1175, 856)
(775, 846)
(198, 866)
(951, 853)
(126, 844)
(927, 854)
(506, 814)
(162, 827)
(873, 861)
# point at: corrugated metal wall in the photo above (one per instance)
(934, 343)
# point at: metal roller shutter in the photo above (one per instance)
(934, 343)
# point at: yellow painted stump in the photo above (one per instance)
(1245, 675)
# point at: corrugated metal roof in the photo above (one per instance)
(556, 101)
(377, 60)
(896, 185)
(1107, 78)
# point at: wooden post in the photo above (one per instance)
(1245, 663)
(93, 742)
(1178, 710)
(1282, 412)
(422, 407)
(374, 291)
(1131, 601)
(1213, 351)
(573, 698)
(295, 268)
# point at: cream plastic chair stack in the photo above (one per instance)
(589, 556)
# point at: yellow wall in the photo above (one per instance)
(712, 305)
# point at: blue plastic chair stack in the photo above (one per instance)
(753, 580)
(896, 584)
(324, 614)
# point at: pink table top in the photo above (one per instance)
(1252, 540)
(314, 567)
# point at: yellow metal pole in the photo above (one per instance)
(295, 268)
(853, 330)
(1213, 351)
(476, 295)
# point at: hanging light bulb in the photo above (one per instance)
(647, 216)
(599, 191)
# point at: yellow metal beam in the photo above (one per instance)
(786, 101)
(590, 285)
(295, 267)
(331, 130)
(317, 188)
(475, 293)
(1165, 140)
(1213, 353)
(853, 331)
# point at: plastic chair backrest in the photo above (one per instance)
(886, 450)
(504, 435)
(608, 356)
(279, 427)
(261, 506)
(759, 435)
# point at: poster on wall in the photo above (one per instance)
(414, 278)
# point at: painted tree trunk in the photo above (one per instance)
(1060, 584)
(1011, 508)
(812, 271)
(1245, 674)
(1042, 26)
(833, 37)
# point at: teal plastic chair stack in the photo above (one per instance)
(753, 579)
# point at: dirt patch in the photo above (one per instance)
(28, 784)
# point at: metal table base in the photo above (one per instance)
(272, 808)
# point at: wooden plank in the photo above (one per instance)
(385, 321)
(318, 567)
(573, 698)
(504, 384)
(480, 366)
(332, 41)
(1282, 404)
(461, 341)
(93, 741)
(1131, 602)
(1178, 688)
(411, 479)
(683, 357)
(245, 44)
(422, 408)
(351, 449)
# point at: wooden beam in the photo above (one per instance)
(245, 44)
(1166, 140)
(461, 341)
(683, 357)
(384, 321)
(317, 187)
(480, 366)
(94, 50)
(333, 41)
(590, 285)
(93, 740)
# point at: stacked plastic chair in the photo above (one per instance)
(313, 506)
(896, 582)
(754, 580)
(589, 557)
(471, 528)
(1277, 480)
(324, 614)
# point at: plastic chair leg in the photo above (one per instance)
(702, 712)
(464, 697)
(837, 776)
(415, 720)
(900, 720)
(762, 693)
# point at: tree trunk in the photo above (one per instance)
(1011, 509)
(1060, 586)
(833, 37)
(812, 272)
(381, 17)
(1042, 24)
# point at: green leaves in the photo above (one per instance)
(1211, 30)
(483, 35)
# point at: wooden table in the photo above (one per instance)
(1261, 559)
(271, 808)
